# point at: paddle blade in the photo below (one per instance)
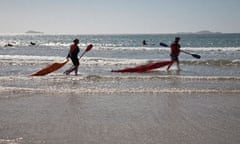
(193, 55)
(163, 44)
(89, 47)
(196, 56)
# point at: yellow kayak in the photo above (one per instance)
(50, 68)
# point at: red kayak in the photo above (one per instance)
(145, 67)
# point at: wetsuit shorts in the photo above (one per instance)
(174, 58)
(75, 61)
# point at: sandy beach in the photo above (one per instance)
(96, 113)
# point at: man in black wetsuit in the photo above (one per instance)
(73, 55)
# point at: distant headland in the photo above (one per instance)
(200, 32)
(33, 32)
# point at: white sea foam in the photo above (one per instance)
(111, 90)
(211, 48)
(25, 59)
(11, 141)
(85, 60)
(61, 78)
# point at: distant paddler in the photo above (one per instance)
(8, 45)
(144, 42)
(32, 43)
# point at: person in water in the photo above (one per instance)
(73, 55)
(144, 42)
(8, 45)
(175, 51)
(32, 43)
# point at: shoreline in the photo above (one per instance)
(135, 118)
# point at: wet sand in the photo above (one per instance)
(127, 118)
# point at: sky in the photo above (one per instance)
(119, 16)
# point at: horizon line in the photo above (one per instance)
(177, 33)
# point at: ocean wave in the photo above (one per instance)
(24, 59)
(133, 62)
(27, 60)
(11, 141)
(213, 62)
(18, 86)
(108, 90)
(62, 78)
(166, 77)
(192, 49)
(111, 46)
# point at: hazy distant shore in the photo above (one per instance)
(176, 33)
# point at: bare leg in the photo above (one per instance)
(67, 72)
(178, 67)
(76, 70)
(169, 66)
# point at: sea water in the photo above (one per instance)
(199, 104)
(219, 53)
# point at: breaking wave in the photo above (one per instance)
(25, 60)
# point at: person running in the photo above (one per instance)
(73, 55)
(175, 51)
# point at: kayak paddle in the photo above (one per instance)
(193, 55)
(89, 47)
(163, 44)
